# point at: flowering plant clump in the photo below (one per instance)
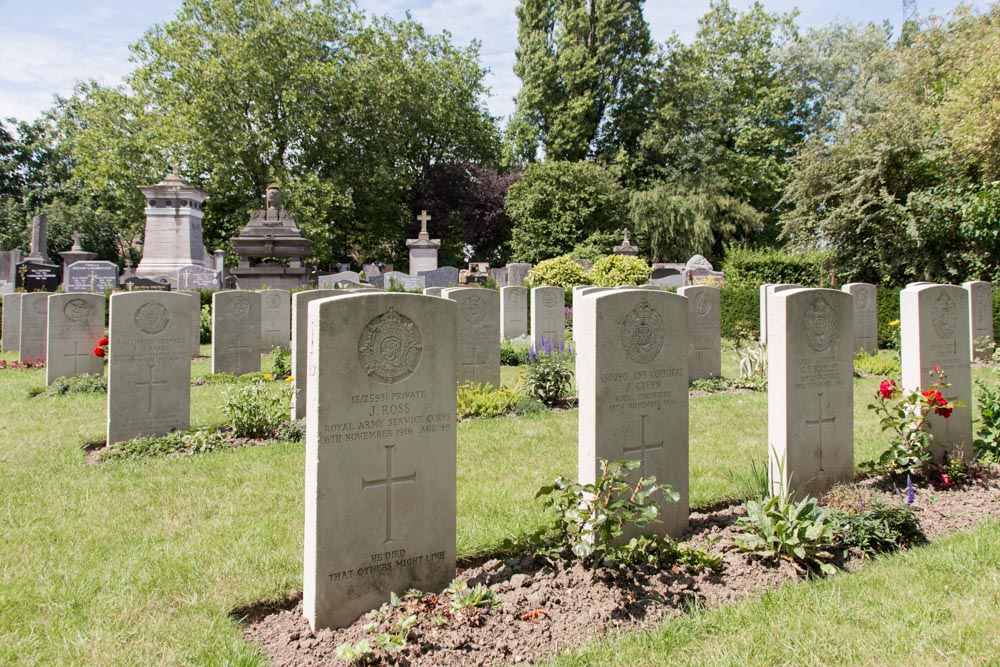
(22, 365)
(102, 348)
(906, 414)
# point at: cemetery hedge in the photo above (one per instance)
(739, 305)
(750, 267)
(888, 311)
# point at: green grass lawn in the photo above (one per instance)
(141, 562)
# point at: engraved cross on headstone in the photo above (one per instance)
(819, 423)
(274, 328)
(702, 347)
(76, 356)
(388, 482)
(475, 363)
(643, 447)
(149, 389)
(237, 348)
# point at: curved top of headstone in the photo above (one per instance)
(698, 262)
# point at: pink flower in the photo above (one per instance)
(887, 388)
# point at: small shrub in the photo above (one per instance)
(483, 400)
(254, 412)
(281, 363)
(616, 270)
(85, 383)
(549, 377)
(293, 430)
(512, 354)
(739, 311)
(175, 442)
(206, 325)
(880, 529)
(987, 440)
(559, 272)
(876, 364)
(797, 531)
(463, 597)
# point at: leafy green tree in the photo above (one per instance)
(585, 67)
(557, 204)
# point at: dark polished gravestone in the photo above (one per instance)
(134, 284)
(37, 276)
(91, 277)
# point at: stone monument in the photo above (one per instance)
(626, 248)
(39, 240)
(76, 254)
(270, 239)
(423, 249)
(173, 236)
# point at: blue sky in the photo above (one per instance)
(48, 45)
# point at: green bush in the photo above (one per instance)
(483, 400)
(888, 312)
(558, 272)
(749, 267)
(85, 383)
(293, 430)
(739, 309)
(597, 246)
(254, 412)
(549, 377)
(779, 527)
(880, 529)
(281, 362)
(175, 442)
(206, 324)
(514, 354)
(882, 365)
(987, 440)
(619, 270)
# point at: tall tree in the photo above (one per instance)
(585, 67)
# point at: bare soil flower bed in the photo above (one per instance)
(550, 608)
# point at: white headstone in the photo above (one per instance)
(236, 332)
(513, 312)
(380, 452)
(632, 377)
(11, 322)
(433, 291)
(478, 334)
(810, 390)
(980, 318)
(584, 290)
(330, 281)
(34, 323)
(934, 329)
(75, 326)
(704, 331)
(766, 292)
(548, 315)
(300, 323)
(275, 319)
(865, 316)
(149, 367)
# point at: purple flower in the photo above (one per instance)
(911, 495)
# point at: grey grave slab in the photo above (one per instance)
(810, 391)
(404, 280)
(478, 334)
(380, 484)
(75, 326)
(149, 366)
(865, 316)
(980, 318)
(275, 319)
(548, 315)
(517, 273)
(300, 321)
(934, 329)
(704, 331)
(91, 276)
(236, 332)
(34, 324)
(197, 277)
(445, 276)
(513, 312)
(330, 281)
(631, 363)
(12, 322)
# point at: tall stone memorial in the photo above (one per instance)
(380, 452)
(704, 331)
(478, 334)
(423, 249)
(548, 315)
(300, 323)
(173, 236)
(865, 316)
(149, 367)
(513, 312)
(934, 329)
(236, 332)
(980, 318)
(275, 319)
(11, 322)
(34, 324)
(810, 390)
(75, 325)
(632, 377)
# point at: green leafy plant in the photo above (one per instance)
(463, 597)
(176, 442)
(293, 430)
(779, 527)
(549, 375)
(254, 412)
(876, 364)
(879, 529)
(658, 552)
(619, 270)
(586, 519)
(750, 354)
(85, 383)
(559, 272)
(483, 400)
(987, 440)
(355, 653)
(205, 325)
(512, 354)
(281, 363)
(752, 485)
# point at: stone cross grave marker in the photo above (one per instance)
(704, 331)
(75, 326)
(632, 378)
(513, 312)
(149, 367)
(865, 316)
(380, 452)
(12, 322)
(34, 324)
(478, 334)
(300, 321)
(934, 329)
(810, 390)
(548, 315)
(980, 318)
(236, 332)
(275, 319)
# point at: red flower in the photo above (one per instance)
(98, 351)
(103, 341)
(944, 412)
(934, 397)
(887, 388)
(945, 480)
